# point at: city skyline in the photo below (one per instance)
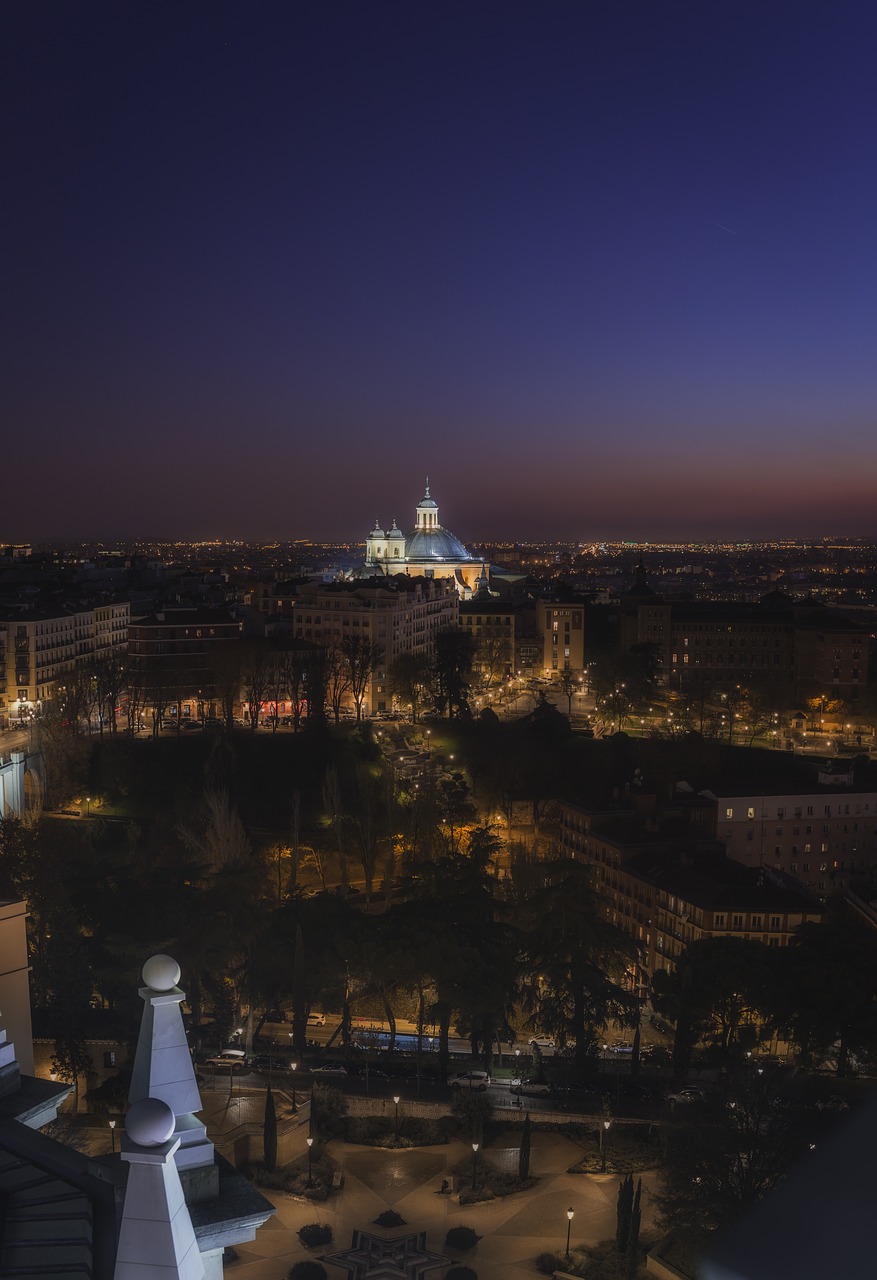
(604, 275)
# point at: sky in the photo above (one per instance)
(602, 270)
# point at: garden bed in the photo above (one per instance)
(491, 1183)
(628, 1150)
(380, 1131)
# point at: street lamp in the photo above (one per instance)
(604, 1143)
(428, 736)
(293, 1066)
(112, 1124)
(310, 1142)
(569, 1217)
(474, 1165)
(87, 806)
(396, 1121)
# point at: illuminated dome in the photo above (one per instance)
(428, 550)
(434, 544)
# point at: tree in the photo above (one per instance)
(269, 1132)
(408, 679)
(524, 1152)
(726, 1157)
(452, 671)
(363, 658)
(569, 684)
(494, 656)
(718, 984)
(337, 680)
(575, 960)
(257, 676)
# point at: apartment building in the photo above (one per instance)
(803, 648)
(175, 654)
(398, 614)
(825, 836)
(41, 644)
(666, 893)
(492, 624)
(561, 627)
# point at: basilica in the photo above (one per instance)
(429, 551)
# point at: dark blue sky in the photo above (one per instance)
(603, 270)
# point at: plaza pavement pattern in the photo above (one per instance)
(514, 1230)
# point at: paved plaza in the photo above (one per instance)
(513, 1230)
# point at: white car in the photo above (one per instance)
(479, 1080)
(541, 1042)
(531, 1088)
(234, 1058)
(336, 1069)
(316, 1019)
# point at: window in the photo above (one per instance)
(775, 922)
(756, 922)
(737, 922)
(729, 813)
(750, 812)
(720, 920)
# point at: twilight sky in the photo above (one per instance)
(602, 269)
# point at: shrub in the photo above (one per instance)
(389, 1218)
(379, 1131)
(312, 1234)
(474, 1110)
(461, 1273)
(462, 1238)
(307, 1270)
(575, 1265)
(328, 1109)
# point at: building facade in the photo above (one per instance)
(397, 614)
(39, 646)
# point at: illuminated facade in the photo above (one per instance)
(429, 551)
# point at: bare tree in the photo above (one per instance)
(257, 678)
(337, 680)
(409, 679)
(221, 840)
(363, 658)
(494, 657)
(335, 809)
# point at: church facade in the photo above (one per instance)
(428, 550)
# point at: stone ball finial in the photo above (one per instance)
(150, 1122)
(161, 973)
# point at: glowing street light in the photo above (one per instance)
(396, 1120)
(310, 1143)
(293, 1066)
(569, 1217)
(474, 1165)
(112, 1125)
(604, 1143)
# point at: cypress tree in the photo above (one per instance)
(269, 1132)
(633, 1243)
(623, 1212)
(524, 1153)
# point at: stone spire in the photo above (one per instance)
(156, 1237)
(163, 1064)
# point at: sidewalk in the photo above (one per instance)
(514, 1230)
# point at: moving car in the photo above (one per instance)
(541, 1042)
(479, 1080)
(531, 1089)
(316, 1019)
(336, 1069)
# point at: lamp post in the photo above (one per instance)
(428, 736)
(292, 1067)
(88, 806)
(474, 1165)
(604, 1143)
(396, 1119)
(569, 1217)
(310, 1142)
(112, 1124)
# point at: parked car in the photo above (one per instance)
(532, 1089)
(634, 1091)
(690, 1093)
(479, 1080)
(541, 1042)
(234, 1058)
(316, 1019)
(335, 1069)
